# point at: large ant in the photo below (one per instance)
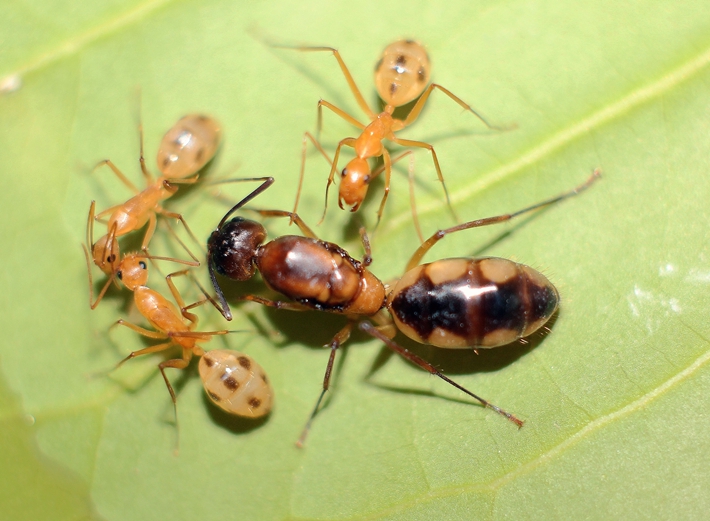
(401, 76)
(233, 381)
(184, 150)
(451, 303)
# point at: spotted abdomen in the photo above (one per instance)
(236, 383)
(458, 303)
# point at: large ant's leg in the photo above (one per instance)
(406, 354)
(341, 337)
(118, 173)
(431, 241)
(301, 176)
(367, 257)
(278, 304)
(348, 141)
(421, 144)
(416, 110)
(294, 218)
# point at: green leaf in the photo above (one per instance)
(612, 398)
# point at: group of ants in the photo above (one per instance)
(449, 303)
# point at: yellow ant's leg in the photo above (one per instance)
(118, 173)
(348, 77)
(306, 136)
(341, 337)
(348, 141)
(416, 110)
(421, 144)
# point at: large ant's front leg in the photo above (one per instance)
(341, 337)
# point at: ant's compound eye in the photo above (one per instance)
(111, 258)
(119, 274)
(344, 172)
(142, 265)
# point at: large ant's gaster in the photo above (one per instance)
(232, 380)
(184, 150)
(451, 303)
(401, 76)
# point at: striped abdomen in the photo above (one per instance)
(458, 303)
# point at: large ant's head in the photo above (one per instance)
(232, 247)
(231, 250)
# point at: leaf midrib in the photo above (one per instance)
(77, 43)
(550, 454)
(565, 136)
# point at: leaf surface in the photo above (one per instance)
(612, 398)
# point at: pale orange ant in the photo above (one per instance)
(450, 303)
(184, 150)
(133, 265)
(233, 381)
(401, 76)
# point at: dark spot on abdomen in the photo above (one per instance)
(244, 362)
(230, 383)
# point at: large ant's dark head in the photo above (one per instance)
(231, 250)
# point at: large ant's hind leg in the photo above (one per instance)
(416, 110)
(278, 304)
(430, 148)
(367, 256)
(294, 218)
(431, 241)
(406, 354)
(341, 337)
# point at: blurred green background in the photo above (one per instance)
(612, 398)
